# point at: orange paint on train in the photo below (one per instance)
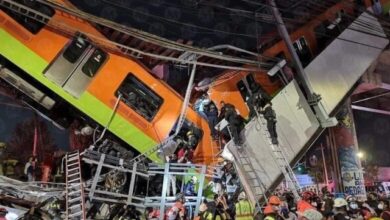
(225, 87)
(48, 43)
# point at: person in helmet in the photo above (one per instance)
(243, 208)
(272, 209)
(340, 206)
(192, 140)
(311, 214)
(204, 213)
(189, 187)
(305, 203)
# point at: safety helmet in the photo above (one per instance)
(194, 179)
(312, 214)
(190, 133)
(2, 145)
(86, 131)
(274, 200)
(268, 210)
(340, 202)
(242, 195)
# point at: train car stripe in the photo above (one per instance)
(33, 64)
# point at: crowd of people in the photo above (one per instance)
(284, 207)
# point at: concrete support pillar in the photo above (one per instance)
(347, 149)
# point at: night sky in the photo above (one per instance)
(373, 131)
(11, 114)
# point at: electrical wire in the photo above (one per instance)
(266, 5)
(322, 34)
(146, 36)
(102, 41)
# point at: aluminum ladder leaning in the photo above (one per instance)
(75, 201)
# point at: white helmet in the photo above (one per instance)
(86, 131)
(242, 196)
(194, 179)
(340, 202)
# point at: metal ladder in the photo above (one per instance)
(75, 202)
(256, 185)
(281, 159)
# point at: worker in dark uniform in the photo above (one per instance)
(257, 100)
(212, 118)
(270, 116)
(260, 101)
(234, 123)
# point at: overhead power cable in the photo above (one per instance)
(150, 38)
(104, 42)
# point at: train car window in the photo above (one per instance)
(303, 51)
(94, 62)
(140, 97)
(243, 90)
(187, 128)
(32, 25)
(76, 48)
(250, 80)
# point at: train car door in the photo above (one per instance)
(75, 66)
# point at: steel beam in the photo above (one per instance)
(373, 110)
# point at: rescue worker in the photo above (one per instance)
(270, 116)
(189, 187)
(212, 118)
(204, 213)
(257, 100)
(54, 209)
(177, 211)
(234, 123)
(340, 206)
(219, 207)
(305, 203)
(243, 208)
(272, 209)
(192, 140)
(200, 104)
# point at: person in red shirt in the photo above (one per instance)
(185, 155)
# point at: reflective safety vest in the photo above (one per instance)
(269, 218)
(244, 210)
(206, 216)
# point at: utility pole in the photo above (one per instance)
(324, 162)
(313, 98)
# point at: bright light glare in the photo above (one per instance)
(360, 154)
